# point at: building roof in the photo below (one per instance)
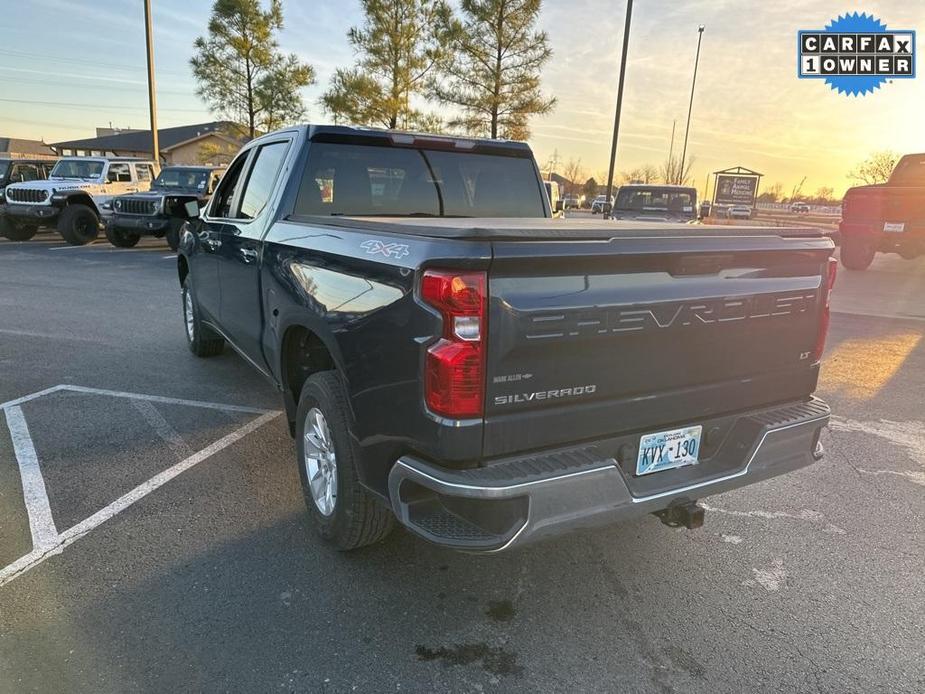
(15, 145)
(140, 140)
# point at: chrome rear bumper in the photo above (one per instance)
(513, 501)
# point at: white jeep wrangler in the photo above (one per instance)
(76, 193)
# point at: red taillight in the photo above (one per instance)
(454, 373)
(831, 272)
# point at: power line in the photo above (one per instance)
(96, 107)
(69, 83)
(32, 57)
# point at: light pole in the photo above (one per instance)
(616, 116)
(152, 97)
(691, 105)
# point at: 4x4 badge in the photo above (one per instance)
(390, 250)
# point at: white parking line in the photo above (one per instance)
(46, 540)
(164, 400)
(71, 535)
(41, 523)
(162, 427)
(64, 248)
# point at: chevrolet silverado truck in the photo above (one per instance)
(151, 213)
(452, 357)
(75, 193)
(885, 218)
(19, 171)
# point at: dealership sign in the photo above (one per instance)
(736, 186)
(855, 54)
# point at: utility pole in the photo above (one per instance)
(616, 115)
(668, 175)
(691, 105)
(152, 97)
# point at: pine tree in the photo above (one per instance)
(495, 78)
(241, 72)
(398, 46)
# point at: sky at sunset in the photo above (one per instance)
(749, 109)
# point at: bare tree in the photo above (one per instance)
(875, 169)
(671, 171)
(573, 172)
(647, 173)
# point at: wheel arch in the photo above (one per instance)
(302, 352)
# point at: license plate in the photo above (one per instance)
(667, 450)
(895, 227)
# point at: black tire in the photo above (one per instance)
(122, 239)
(201, 340)
(78, 225)
(17, 232)
(857, 253)
(357, 519)
(173, 234)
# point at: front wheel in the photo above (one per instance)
(345, 514)
(78, 225)
(17, 232)
(173, 234)
(857, 253)
(122, 239)
(201, 340)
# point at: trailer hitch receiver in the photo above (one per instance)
(688, 515)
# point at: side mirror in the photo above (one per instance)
(191, 209)
(558, 205)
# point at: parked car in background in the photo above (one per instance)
(19, 171)
(799, 207)
(572, 202)
(74, 193)
(665, 203)
(739, 212)
(153, 213)
(486, 381)
(552, 192)
(600, 205)
(885, 218)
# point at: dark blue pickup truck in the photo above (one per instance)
(452, 357)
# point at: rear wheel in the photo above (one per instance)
(17, 232)
(78, 225)
(122, 239)
(857, 253)
(201, 340)
(346, 515)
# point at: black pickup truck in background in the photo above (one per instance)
(155, 212)
(452, 357)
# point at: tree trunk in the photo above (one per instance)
(250, 98)
(499, 37)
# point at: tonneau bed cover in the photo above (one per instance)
(518, 228)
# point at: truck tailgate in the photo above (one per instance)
(592, 338)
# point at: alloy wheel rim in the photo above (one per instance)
(188, 314)
(320, 461)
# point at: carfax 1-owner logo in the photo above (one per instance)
(856, 53)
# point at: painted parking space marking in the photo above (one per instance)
(46, 540)
(162, 427)
(41, 523)
(909, 436)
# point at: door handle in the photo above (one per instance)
(248, 254)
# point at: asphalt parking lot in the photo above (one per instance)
(169, 548)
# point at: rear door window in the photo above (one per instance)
(144, 172)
